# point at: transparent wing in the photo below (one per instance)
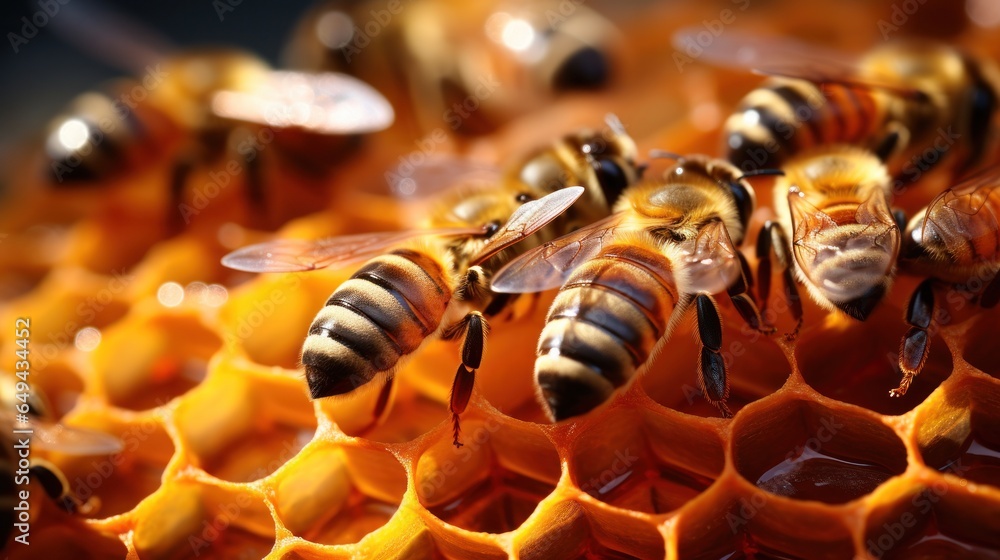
(967, 217)
(549, 265)
(438, 173)
(529, 218)
(71, 441)
(294, 255)
(710, 259)
(774, 56)
(326, 103)
(870, 244)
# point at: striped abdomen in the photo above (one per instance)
(383, 312)
(785, 117)
(603, 325)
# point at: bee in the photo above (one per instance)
(22, 441)
(201, 107)
(844, 239)
(436, 280)
(472, 65)
(953, 240)
(908, 101)
(626, 280)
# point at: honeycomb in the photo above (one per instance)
(143, 335)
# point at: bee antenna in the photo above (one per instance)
(663, 154)
(760, 172)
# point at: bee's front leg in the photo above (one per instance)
(772, 240)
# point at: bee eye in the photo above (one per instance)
(522, 197)
(744, 202)
(612, 178)
(587, 68)
(492, 228)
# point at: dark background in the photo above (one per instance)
(49, 71)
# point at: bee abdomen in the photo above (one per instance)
(787, 117)
(602, 326)
(382, 313)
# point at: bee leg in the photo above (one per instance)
(55, 486)
(772, 241)
(383, 400)
(888, 145)
(916, 344)
(742, 298)
(473, 328)
(712, 368)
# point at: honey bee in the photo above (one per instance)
(626, 280)
(436, 280)
(23, 441)
(202, 107)
(908, 101)
(473, 65)
(844, 238)
(954, 240)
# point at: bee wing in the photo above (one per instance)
(527, 219)
(73, 441)
(710, 259)
(788, 58)
(968, 212)
(817, 238)
(549, 265)
(326, 103)
(438, 173)
(298, 255)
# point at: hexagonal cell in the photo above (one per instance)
(970, 446)
(734, 521)
(167, 360)
(644, 461)
(474, 488)
(59, 387)
(187, 518)
(270, 315)
(979, 344)
(756, 365)
(864, 375)
(411, 412)
(939, 519)
(318, 500)
(803, 450)
(67, 301)
(114, 484)
(241, 425)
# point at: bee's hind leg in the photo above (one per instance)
(916, 345)
(473, 329)
(742, 298)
